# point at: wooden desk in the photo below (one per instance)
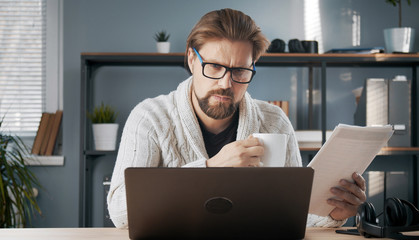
(118, 234)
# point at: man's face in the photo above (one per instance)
(219, 99)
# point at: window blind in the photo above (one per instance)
(22, 65)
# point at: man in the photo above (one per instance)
(209, 119)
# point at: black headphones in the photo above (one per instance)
(399, 216)
(294, 46)
(277, 46)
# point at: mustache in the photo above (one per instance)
(223, 92)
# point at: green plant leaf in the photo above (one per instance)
(103, 114)
(18, 203)
(161, 36)
(395, 2)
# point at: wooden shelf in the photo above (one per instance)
(378, 56)
(384, 151)
(399, 151)
(37, 160)
(267, 59)
(94, 153)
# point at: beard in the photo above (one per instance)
(218, 110)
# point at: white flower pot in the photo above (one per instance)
(399, 39)
(104, 135)
(163, 47)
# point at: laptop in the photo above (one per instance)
(208, 203)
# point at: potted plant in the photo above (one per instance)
(163, 46)
(17, 182)
(104, 127)
(399, 39)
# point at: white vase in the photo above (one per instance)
(104, 135)
(399, 39)
(163, 47)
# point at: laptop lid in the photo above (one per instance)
(232, 203)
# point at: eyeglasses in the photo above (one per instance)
(218, 71)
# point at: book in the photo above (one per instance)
(284, 105)
(40, 134)
(55, 127)
(349, 149)
(48, 130)
(357, 50)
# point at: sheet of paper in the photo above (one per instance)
(349, 149)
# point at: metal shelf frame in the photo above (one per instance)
(91, 61)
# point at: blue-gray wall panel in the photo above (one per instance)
(128, 26)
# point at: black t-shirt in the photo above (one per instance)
(214, 142)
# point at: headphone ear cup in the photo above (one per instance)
(414, 217)
(277, 46)
(395, 212)
(295, 46)
(370, 213)
(365, 214)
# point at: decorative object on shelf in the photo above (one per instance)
(277, 46)
(295, 46)
(387, 102)
(310, 46)
(163, 46)
(47, 135)
(357, 92)
(399, 39)
(310, 138)
(105, 129)
(305, 46)
(358, 50)
(17, 183)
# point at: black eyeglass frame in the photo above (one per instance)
(228, 69)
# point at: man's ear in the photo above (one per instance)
(191, 59)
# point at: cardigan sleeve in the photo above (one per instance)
(138, 148)
(318, 221)
(200, 163)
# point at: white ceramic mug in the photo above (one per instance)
(275, 145)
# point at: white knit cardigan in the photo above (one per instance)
(164, 132)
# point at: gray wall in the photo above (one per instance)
(128, 26)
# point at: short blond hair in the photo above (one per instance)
(227, 24)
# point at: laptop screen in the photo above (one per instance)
(218, 202)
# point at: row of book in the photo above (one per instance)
(284, 105)
(46, 137)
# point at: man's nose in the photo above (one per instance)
(225, 82)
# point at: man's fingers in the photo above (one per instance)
(342, 194)
(251, 141)
(255, 151)
(354, 189)
(346, 195)
(351, 187)
(254, 161)
(360, 181)
(253, 155)
(341, 204)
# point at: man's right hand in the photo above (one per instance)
(242, 153)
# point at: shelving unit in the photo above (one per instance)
(384, 151)
(90, 62)
(35, 160)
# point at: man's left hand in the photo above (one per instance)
(350, 196)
